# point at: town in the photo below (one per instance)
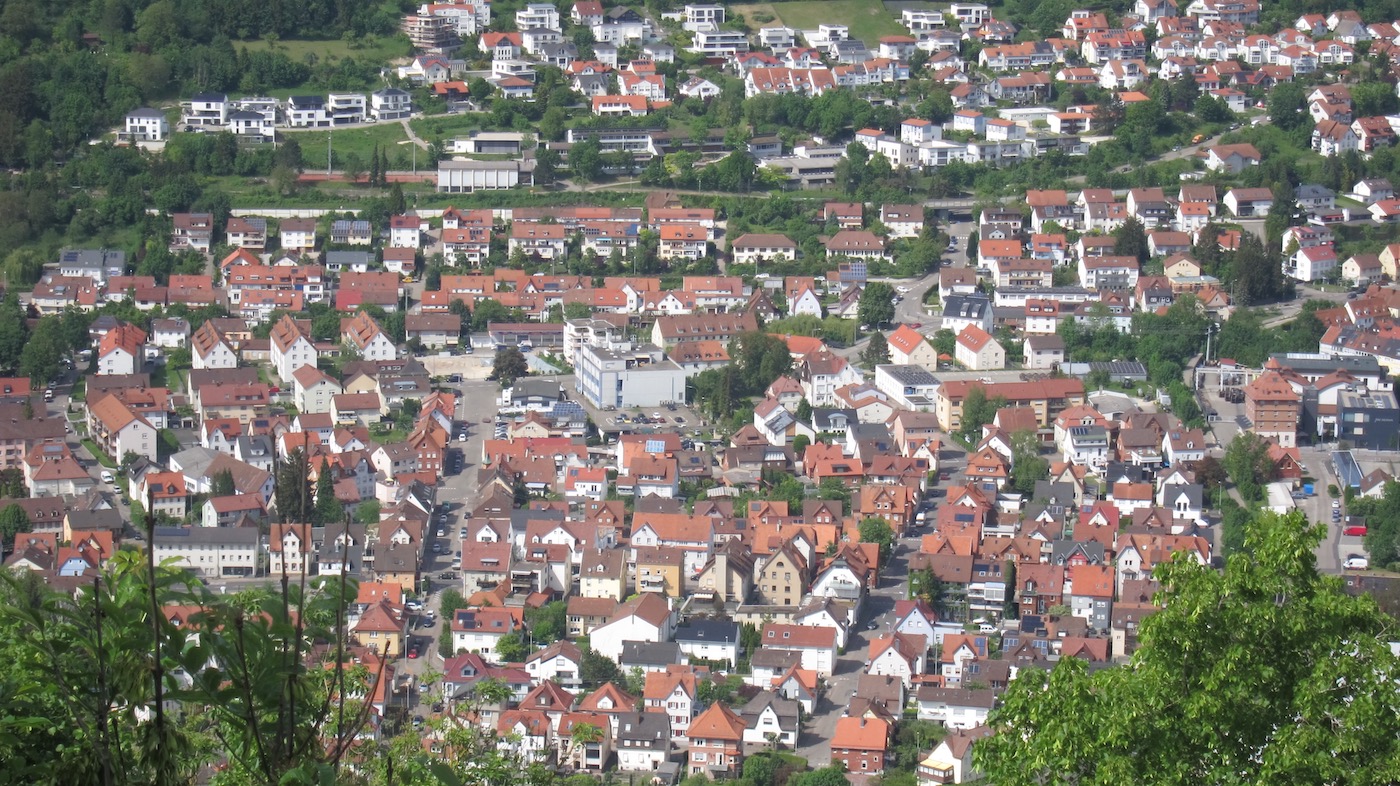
(709, 391)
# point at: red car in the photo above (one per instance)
(1355, 530)
(413, 651)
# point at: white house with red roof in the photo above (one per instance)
(908, 347)
(977, 350)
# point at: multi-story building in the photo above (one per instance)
(211, 552)
(1272, 406)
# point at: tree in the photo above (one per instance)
(586, 160)
(1224, 707)
(1131, 241)
(1248, 464)
(328, 508)
(876, 352)
(549, 622)
(1027, 465)
(876, 305)
(510, 365)
(513, 647)
(972, 241)
(367, 512)
(221, 485)
(292, 489)
(757, 359)
(14, 332)
(595, 670)
(978, 411)
(13, 520)
(878, 531)
(945, 342)
(1287, 101)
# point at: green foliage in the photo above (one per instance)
(1382, 525)
(328, 508)
(1131, 241)
(509, 365)
(876, 305)
(1027, 465)
(1244, 337)
(367, 512)
(1248, 464)
(596, 670)
(1251, 675)
(878, 531)
(978, 411)
(513, 647)
(548, 622)
(876, 352)
(13, 520)
(293, 494)
(830, 775)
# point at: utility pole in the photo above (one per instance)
(328, 155)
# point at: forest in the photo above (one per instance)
(68, 70)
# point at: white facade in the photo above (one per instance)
(212, 552)
(147, 125)
(458, 177)
(617, 378)
(390, 104)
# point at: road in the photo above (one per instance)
(458, 494)
(814, 743)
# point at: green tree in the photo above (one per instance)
(586, 160)
(292, 489)
(367, 512)
(757, 359)
(513, 647)
(1131, 241)
(596, 670)
(1248, 464)
(878, 531)
(1287, 104)
(221, 484)
(876, 352)
(1204, 700)
(13, 520)
(14, 332)
(328, 508)
(1382, 525)
(1027, 465)
(509, 365)
(549, 622)
(876, 306)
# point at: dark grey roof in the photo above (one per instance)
(650, 653)
(707, 630)
(231, 536)
(645, 729)
(966, 306)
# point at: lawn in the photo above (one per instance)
(868, 21)
(349, 141)
(371, 47)
(445, 126)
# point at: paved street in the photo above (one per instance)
(458, 495)
(878, 614)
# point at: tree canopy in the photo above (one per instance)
(1266, 672)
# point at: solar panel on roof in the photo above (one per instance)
(656, 446)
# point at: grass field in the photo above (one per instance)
(868, 20)
(371, 47)
(347, 141)
(445, 126)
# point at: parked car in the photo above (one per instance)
(413, 651)
(1355, 529)
(1356, 562)
(108, 477)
